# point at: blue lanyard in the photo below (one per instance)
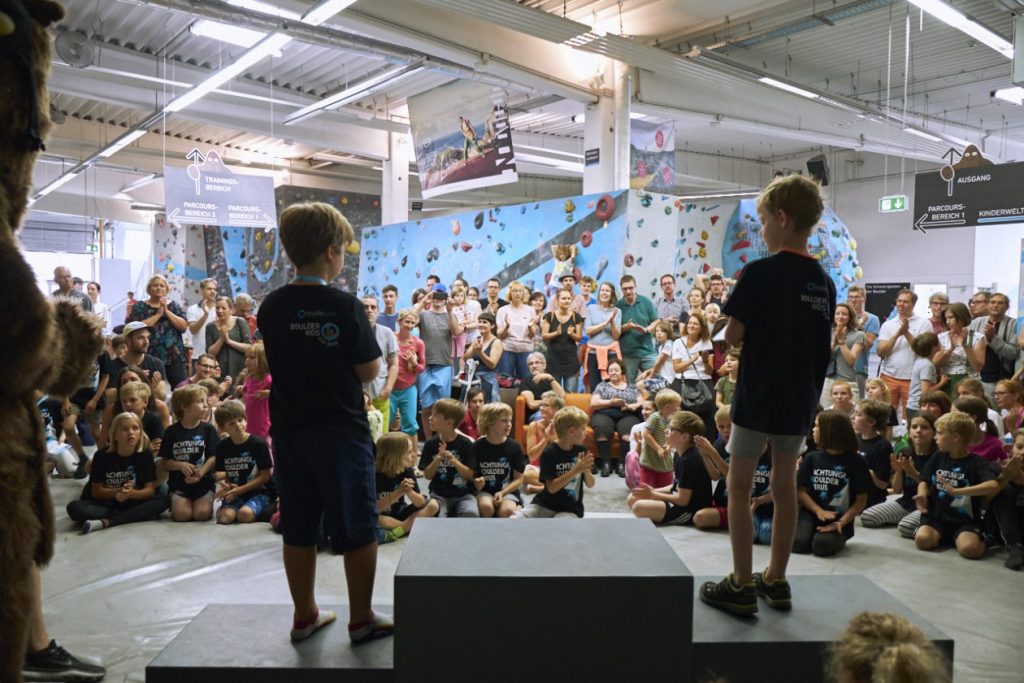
(311, 279)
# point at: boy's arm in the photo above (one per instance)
(464, 470)
(710, 453)
(367, 372)
(145, 493)
(101, 492)
(588, 478)
(921, 499)
(261, 480)
(583, 464)
(514, 485)
(859, 503)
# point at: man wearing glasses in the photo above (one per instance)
(996, 341)
(979, 304)
(638, 319)
(869, 324)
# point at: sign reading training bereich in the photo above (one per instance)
(206, 192)
(971, 192)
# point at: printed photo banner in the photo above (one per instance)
(462, 139)
(652, 156)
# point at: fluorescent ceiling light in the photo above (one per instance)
(140, 183)
(63, 180)
(582, 118)
(264, 8)
(324, 11)
(788, 88)
(1015, 95)
(922, 134)
(227, 33)
(955, 18)
(546, 150)
(266, 47)
(548, 161)
(357, 91)
(719, 195)
(122, 142)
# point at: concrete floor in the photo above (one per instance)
(120, 595)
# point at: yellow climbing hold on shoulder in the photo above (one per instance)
(352, 248)
(6, 24)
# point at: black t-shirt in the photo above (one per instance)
(906, 499)
(721, 494)
(314, 338)
(563, 354)
(785, 303)
(152, 425)
(691, 474)
(554, 462)
(149, 363)
(447, 482)
(537, 389)
(52, 411)
(762, 482)
(112, 471)
(833, 481)
(189, 445)
(388, 484)
(498, 464)
(101, 368)
(876, 453)
(970, 470)
(243, 462)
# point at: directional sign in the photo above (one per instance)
(892, 203)
(970, 192)
(206, 192)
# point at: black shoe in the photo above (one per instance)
(606, 470)
(621, 471)
(1016, 559)
(594, 469)
(776, 593)
(725, 595)
(80, 472)
(57, 664)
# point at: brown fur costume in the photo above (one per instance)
(45, 346)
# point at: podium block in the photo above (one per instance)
(556, 599)
(791, 646)
(249, 644)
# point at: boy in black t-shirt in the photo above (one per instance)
(564, 469)
(447, 462)
(321, 349)
(498, 463)
(869, 419)
(781, 312)
(244, 469)
(187, 452)
(952, 489)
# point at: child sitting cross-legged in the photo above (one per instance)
(447, 461)
(499, 463)
(187, 452)
(539, 435)
(243, 470)
(952, 489)
(832, 487)
(907, 463)
(396, 482)
(656, 455)
(868, 422)
(122, 481)
(564, 468)
(691, 489)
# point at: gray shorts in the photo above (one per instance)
(750, 443)
(534, 511)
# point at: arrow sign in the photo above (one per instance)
(923, 222)
(950, 154)
(196, 157)
(206, 192)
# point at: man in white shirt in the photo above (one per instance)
(894, 346)
(200, 315)
(380, 388)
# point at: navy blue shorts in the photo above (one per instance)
(257, 502)
(322, 476)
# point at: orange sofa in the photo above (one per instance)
(581, 401)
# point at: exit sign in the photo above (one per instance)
(896, 202)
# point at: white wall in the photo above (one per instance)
(997, 261)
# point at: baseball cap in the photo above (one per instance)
(135, 326)
(441, 290)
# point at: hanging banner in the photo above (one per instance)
(462, 139)
(206, 192)
(652, 156)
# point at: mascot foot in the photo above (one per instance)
(57, 664)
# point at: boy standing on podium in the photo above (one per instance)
(781, 312)
(321, 349)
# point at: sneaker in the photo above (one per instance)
(621, 471)
(57, 664)
(726, 595)
(92, 525)
(302, 631)
(1016, 559)
(80, 471)
(392, 535)
(380, 626)
(606, 470)
(775, 592)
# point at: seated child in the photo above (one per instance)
(59, 456)
(213, 399)
(868, 423)
(936, 403)
(187, 452)
(690, 490)
(565, 466)
(134, 398)
(842, 398)
(832, 486)
(656, 455)
(875, 389)
(953, 485)
(122, 482)
(636, 444)
(726, 384)
(1006, 510)
(446, 462)
(374, 417)
(243, 470)
(539, 435)
(973, 387)
(396, 481)
(474, 401)
(499, 463)
(659, 377)
(986, 441)
(885, 647)
(906, 466)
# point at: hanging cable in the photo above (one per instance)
(906, 83)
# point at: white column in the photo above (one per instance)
(394, 200)
(606, 129)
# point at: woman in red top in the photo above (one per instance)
(412, 360)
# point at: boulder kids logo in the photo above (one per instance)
(311, 324)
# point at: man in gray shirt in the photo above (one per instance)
(380, 388)
(995, 340)
(437, 326)
(66, 289)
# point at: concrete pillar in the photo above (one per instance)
(394, 200)
(606, 129)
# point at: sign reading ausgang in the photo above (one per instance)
(973, 191)
(206, 192)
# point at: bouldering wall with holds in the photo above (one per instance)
(830, 243)
(509, 243)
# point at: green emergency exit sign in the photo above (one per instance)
(892, 203)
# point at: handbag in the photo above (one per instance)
(696, 396)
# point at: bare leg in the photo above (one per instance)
(300, 567)
(783, 486)
(38, 638)
(181, 509)
(360, 571)
(741, 519)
